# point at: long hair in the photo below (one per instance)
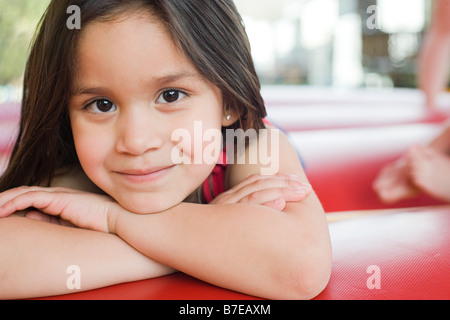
(210, 33)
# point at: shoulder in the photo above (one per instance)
(273, 152)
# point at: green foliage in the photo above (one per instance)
(18, 21)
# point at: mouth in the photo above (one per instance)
(145, 175)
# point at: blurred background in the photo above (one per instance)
(18, 20)
(347, 43)
(339, 43)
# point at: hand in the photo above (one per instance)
(273, 191)
(85, 210)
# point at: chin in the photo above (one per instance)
(147, 206)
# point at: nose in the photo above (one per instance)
(138, 132)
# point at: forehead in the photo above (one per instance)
(139, 46)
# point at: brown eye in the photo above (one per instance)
(171, 96)
(101, 106)
(104, 105)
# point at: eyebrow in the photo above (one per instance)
(79, 91)
(161, 81)
(178, 76)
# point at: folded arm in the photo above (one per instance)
(244, 247)
(35, 256)
(251, 249)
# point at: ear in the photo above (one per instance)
(229, 118)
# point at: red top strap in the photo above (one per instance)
(215, 184)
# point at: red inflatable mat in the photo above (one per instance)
(178, 286)
(391, 255)
(381, 255)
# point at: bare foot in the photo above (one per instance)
(430, 171)
(393, 183)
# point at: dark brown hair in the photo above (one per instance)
(210, 33)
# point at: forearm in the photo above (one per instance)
(35, 257)
(250, 249)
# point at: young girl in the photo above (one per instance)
(96, 148)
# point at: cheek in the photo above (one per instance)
(199, 143)
(91, 149)
(90, 160)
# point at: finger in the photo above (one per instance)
(274, 186)
(278, 204)
(39, 216)
(270, 195)
(12, 193)
(39, 199)
(258, 177)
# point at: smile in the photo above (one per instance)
(145, 175)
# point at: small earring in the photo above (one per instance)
(228, 117)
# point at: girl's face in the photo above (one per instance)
(134, 89)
